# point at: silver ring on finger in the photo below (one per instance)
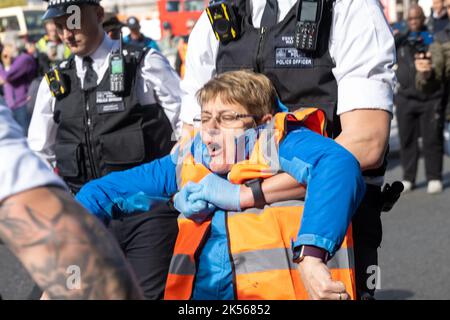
(340, 296)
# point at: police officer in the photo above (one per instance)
(87, 126)
(136, 38)
(349, 75)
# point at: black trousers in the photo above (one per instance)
(416, 118)
(147, 240)
(367, 235)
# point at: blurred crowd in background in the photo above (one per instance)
(24, 62)
(421, 99)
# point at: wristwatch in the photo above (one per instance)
(310, 251)
(258, 195)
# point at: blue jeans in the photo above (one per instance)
(21, 116)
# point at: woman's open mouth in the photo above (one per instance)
(214, 149)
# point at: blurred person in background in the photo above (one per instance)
(182, 49)
(438, 19)
(418, 113)
(169, 43)
(1, 87)
(136, 38)
(433, 68)
(17, 71)
(113, 27)
(51, 49)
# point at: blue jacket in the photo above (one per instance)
(335, 188)
(145, 42)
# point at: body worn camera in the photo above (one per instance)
(56, 83)
(223, 18)
(309, 16)
(419, 42)
(117, 70)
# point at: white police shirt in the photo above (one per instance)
(20, 168)
(361, 45)
(156, 82)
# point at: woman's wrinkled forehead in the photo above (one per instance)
(217, 105)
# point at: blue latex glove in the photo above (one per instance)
(199, 210)
(102, 205)
(218, 191)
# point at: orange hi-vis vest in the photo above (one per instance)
(260, 240)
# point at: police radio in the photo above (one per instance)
(117, 70)
(309, 16)
(223, 18)
(56, 83)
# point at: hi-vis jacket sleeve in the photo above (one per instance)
(335, 186)
(130, 191)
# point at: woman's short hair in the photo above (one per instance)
(254, 91)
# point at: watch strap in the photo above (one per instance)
(311, 251)
(258, 195)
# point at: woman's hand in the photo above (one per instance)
(198, 210)
(218, 191)
(317, 280)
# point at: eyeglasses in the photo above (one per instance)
(225, 119)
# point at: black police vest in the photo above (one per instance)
(100, 132)
(301, 79)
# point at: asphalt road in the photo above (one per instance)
(414, 257)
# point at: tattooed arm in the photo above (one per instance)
(66, 251)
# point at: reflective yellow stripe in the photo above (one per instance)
(225, 11)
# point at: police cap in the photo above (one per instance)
(58, 8)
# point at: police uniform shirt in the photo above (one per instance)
(20, 168)
(361, 45)
(156, 81)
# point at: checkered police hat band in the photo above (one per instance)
(57, 3)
